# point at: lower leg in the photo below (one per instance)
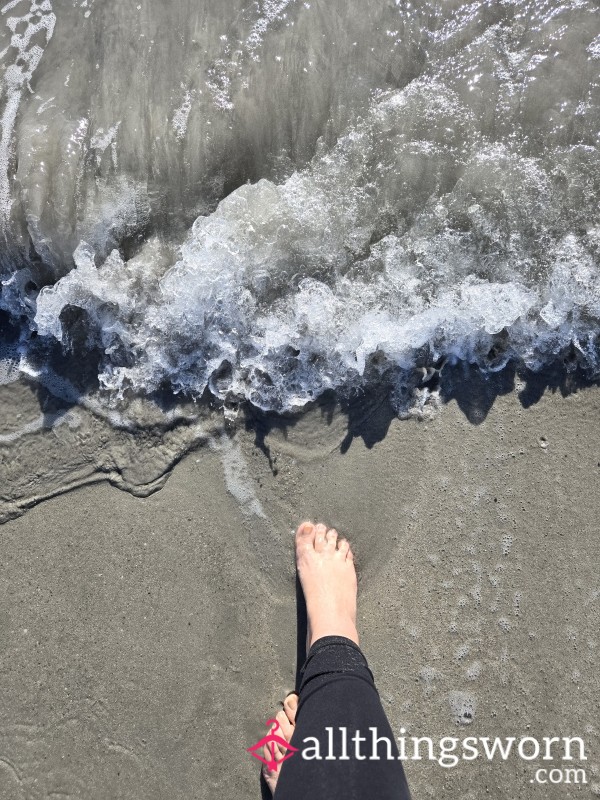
(337, 695)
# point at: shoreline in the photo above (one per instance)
(55, 443)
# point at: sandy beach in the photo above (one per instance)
(264, 261)
(145, 641)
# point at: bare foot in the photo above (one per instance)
(286, 718)
(328, 577)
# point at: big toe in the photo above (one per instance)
(305, 535)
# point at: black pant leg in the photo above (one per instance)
(338, 691)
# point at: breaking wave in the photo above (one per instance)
(453, 218)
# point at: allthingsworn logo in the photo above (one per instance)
(275, 747)
(343, 745)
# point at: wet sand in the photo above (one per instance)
(145, 641)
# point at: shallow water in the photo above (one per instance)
(264, 201)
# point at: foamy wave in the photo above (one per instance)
(389, 252)
(455, 218)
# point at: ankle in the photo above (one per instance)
(345, 628)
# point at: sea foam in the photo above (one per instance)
(361, 264)
(456, 218)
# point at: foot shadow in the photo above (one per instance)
(301, 633)
(265, 792)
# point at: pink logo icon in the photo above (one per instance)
(269, 743)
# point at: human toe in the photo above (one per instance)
(343, 548)
(305, 535)
(290, 706)
(320, 537)
(331, 538)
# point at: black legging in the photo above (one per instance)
(337, 691)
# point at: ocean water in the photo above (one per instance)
(266, 200)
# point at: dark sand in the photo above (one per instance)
(144, 642)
